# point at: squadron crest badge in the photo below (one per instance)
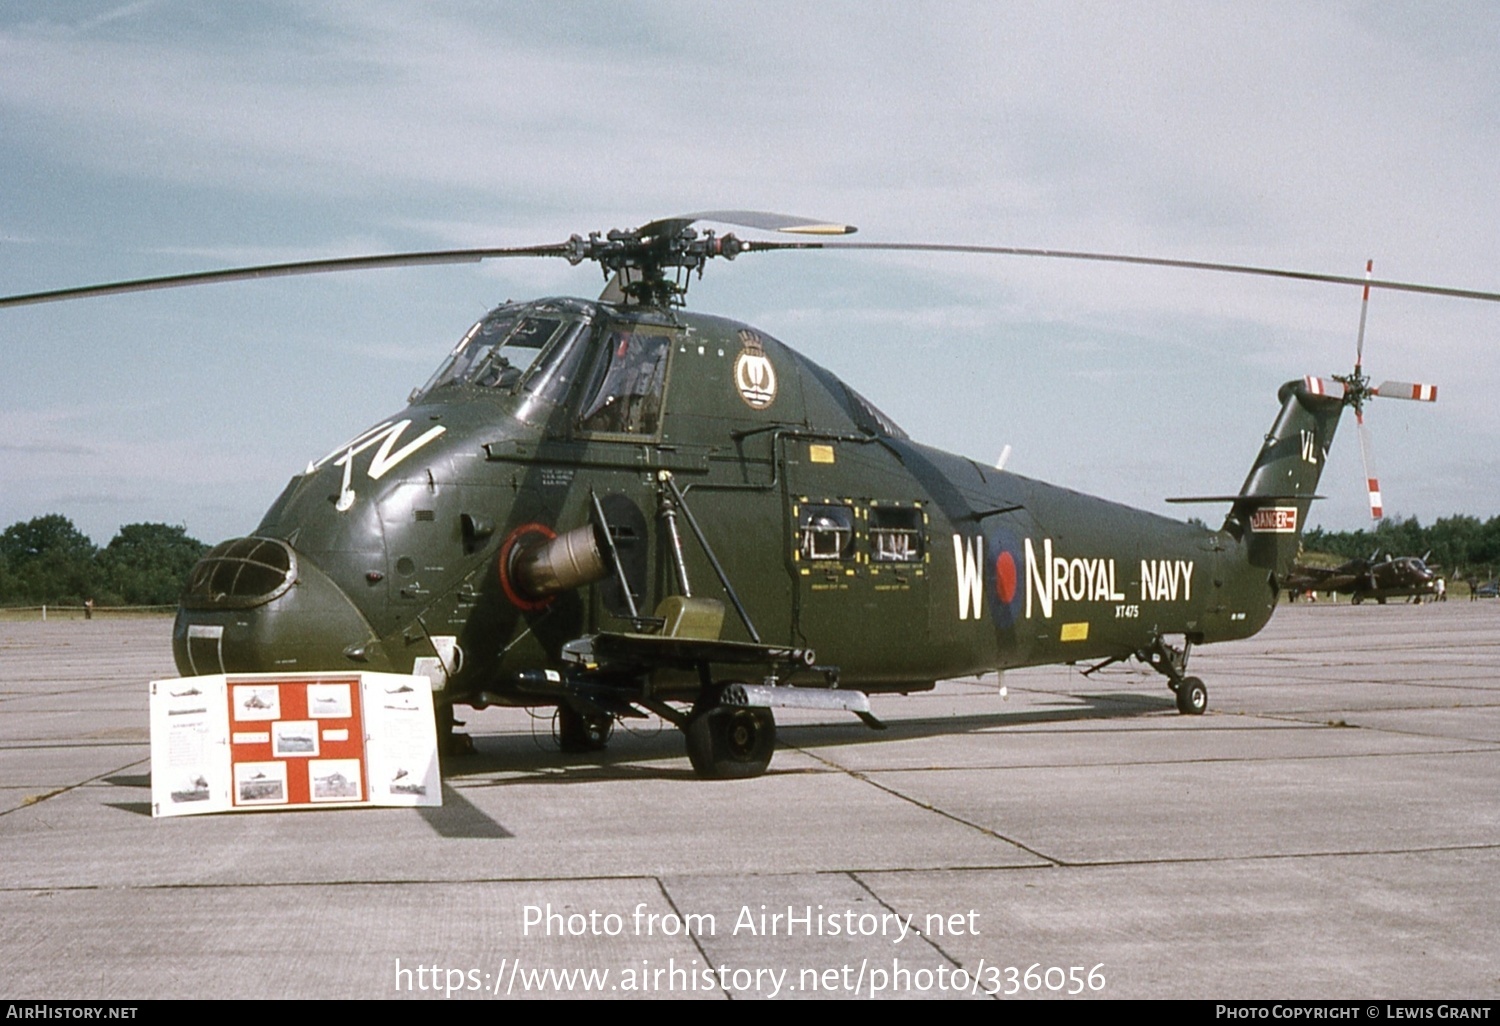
(753, 374)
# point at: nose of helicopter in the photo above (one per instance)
(255, 605)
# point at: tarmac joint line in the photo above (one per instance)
(928, 807)
(956, 963)
(36, 799)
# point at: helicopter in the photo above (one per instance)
(617, 507)
(1367, 578)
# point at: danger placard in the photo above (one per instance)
(1274, 519)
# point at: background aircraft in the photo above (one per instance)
(1361, 579)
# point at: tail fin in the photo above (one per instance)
(1271, 509)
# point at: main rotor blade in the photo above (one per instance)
(771, 222)
(761, 219)
(1364, 308)
(1119, 258)
(172, 281)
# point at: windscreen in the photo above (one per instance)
(497, 352)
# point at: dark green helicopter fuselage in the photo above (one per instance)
(897, 564)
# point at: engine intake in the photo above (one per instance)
(240, 574)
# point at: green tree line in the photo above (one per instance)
(48, 561)
(1461, 545)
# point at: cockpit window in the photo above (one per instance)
(553, 374)
(629, 397)
(497, 351)
(469, 349)
(505, 363)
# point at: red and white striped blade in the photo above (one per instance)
(1407, 390)
(1372, 483)
(1364, 308)
(1322, 386)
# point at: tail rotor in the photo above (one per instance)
(1358, 391)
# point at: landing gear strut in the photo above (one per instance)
(1171, 662)
(450, 740)
(582, 732)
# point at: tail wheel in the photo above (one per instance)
(727, 743)
(1192, 697)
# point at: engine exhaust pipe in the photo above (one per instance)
(568, 561)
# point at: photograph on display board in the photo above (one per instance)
(192, 788)
(294, 738)
(400, 698)
(402, 782)
(257, 702)
(334, 780)
(329, 701)
(187, 700)
(260, 783)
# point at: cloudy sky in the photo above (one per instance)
(162, 136)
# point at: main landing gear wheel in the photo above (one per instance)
(1192, 697)
(729, 743)
(579, 732)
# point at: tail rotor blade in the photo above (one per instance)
(1407, 390)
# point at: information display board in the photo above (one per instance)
(241, 741)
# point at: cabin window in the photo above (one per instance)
(825, 532)
(629, 397)
(896, 534)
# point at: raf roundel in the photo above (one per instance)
(1005, 582)
(1005, 577)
